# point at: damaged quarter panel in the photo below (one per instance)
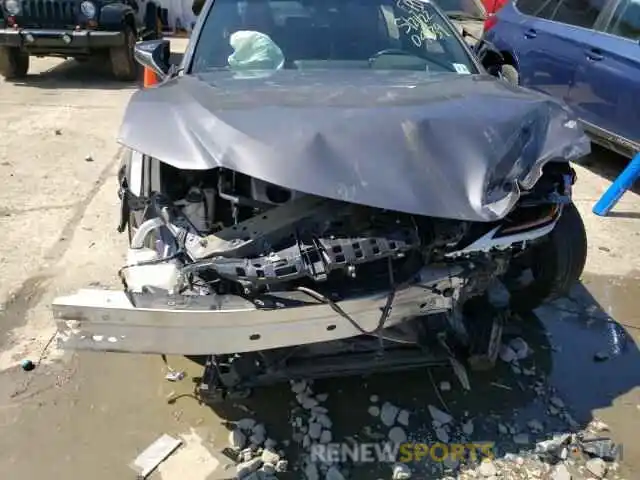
(454, 146)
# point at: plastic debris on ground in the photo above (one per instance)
(154, 455)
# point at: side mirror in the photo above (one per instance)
(155, 55)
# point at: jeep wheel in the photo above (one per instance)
(123, 64)
(555, 265)
(14, 64)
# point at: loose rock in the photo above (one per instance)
(445, 386)
(269, 456)
(439, 416)
(298, 387)
(487, 468)
(597, 425)
(334, 474)
(267, 470)
(403, 418)
(308, 403)
(521, 439)
(315, 430)
(246, 468)
(326, 437)
(560, 472)
(374, 398)
(597, 467)
(442, 435)
(282, 466)
(467, 428)
(237, 439)
(507, 354)
(311, 472)
(535, 426)
(374, 411)
(388, 414)
(397, 435)
(324, 420)
(246, 424)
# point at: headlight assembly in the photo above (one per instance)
(12, 7)
(88, 9)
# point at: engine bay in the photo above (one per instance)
(219, 232)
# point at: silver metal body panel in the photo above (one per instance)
(106, 320)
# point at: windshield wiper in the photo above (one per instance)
(464, 16)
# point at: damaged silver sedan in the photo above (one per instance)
(327, 177)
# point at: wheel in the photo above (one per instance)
(123, 64)
(510, 74)
(556, 264)
(14, 64)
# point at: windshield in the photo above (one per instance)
(328, 34)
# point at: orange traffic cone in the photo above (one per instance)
(150, 78)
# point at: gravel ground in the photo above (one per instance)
(552, 410)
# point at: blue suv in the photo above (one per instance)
(585, 52)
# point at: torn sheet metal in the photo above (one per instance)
(444, 145)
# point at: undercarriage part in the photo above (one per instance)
(231, 376)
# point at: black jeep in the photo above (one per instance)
(76, 29)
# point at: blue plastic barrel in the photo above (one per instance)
(620, 185)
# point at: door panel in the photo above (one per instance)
(607, 87)
(549, 65)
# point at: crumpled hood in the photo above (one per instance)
(444, 145)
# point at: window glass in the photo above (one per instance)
(626, 20)
(581, 13)
(303, 34)
(539, 9)
(469, 7)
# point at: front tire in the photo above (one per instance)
(14, 64)
(556, 264)
(123, 64)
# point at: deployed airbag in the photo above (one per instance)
(254, 51)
